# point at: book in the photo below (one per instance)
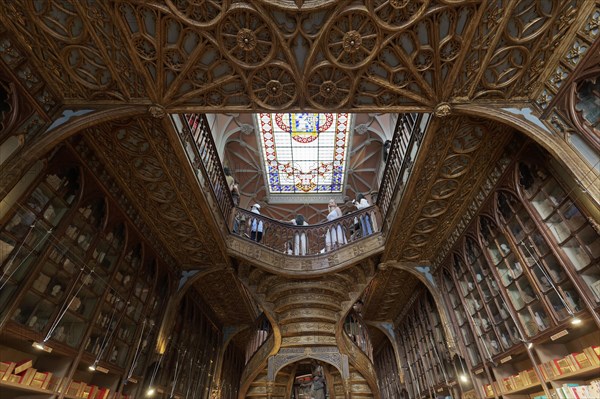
(563, 365)
(102, 393)
(22, 366)
(27, 376)
(48, 379)
(75, 388)
(7, 368)
(38, 379)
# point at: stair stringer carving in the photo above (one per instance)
(356, 357)
(257, 363)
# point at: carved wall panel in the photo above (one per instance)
(141, 158)
(455, 165)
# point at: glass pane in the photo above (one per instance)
(576, 254)
(558, 227)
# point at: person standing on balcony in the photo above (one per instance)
(256, 229)
(365, 219)
(233, 186)
(335, 235)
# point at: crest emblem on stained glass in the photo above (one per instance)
(304, 127)
(304, 152)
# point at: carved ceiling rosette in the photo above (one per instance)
(352, 38)
(273, 87)
(246, 37)
(329, 87)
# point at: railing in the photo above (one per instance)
(405, 143)
(259, 333)
(280, 236)
(290, 239)
(207, 158)
(357, 331)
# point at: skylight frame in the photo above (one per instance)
(339, 134)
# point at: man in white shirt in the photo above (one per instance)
(365, 220)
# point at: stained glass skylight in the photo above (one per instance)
(303, 152)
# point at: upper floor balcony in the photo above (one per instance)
(286, 237)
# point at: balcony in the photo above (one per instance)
(282, 244)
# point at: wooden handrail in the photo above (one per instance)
(356, 329)
(407, 134)
(261, 330)
(290, 239)
(207, 158)
(279, 236)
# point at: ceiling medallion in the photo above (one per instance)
(246, 39)
(328, 89)
(352, 41)
(274, 88)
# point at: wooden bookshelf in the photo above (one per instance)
(531, 279)
(590, 372)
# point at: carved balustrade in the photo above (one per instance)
(290, 239)
(405, 143)
(260, 331)
(207, 159)
(357, 331)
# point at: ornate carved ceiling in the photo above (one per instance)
(322, 55)
(138, 153)
(457, 156)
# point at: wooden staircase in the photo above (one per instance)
(307, 313)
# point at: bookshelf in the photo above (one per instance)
(512, 277)
(82, 261)
(423, 351)
(459, 313)
(27, 371)
(25, 233)
(566, 227)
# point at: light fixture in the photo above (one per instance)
(42, 346)
(529, 345)
(92, 367)
(463, 376)
(150, 391)
(575, 321)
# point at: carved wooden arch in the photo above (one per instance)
(423, 274)
(187, 280)
(48, 140)
(387, 328)
(535, 129)
(287, 356)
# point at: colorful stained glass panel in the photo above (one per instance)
(304, 152)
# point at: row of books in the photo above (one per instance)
(83, 390)
(574, 391)
(511, 383)
(23, 373)
(574, 362)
